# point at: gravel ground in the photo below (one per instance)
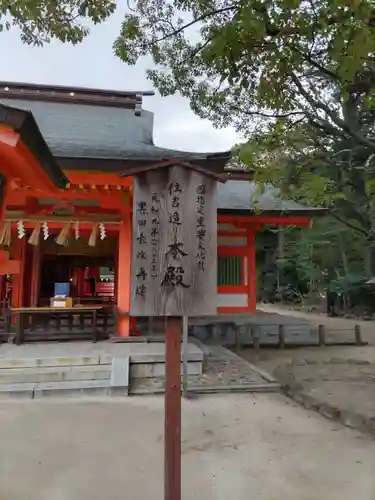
(222, 368)
(263, 447)
(348, 384)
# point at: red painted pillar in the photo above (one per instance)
(35, 276)
(18, 252)
(251, 271)
(124, 277)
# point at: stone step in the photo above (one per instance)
(73, 388)
(152, 369)
(17, 390)
(55, 374)
(37, 362)
(62, 389)
(71, 381)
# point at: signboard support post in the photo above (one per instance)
(172, 408)
(185, 356)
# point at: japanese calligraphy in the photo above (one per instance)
(140, 290)
(155, 222)
(142, 211)
(176, 249)
(142, 274)
(174, 187)
(174, 276)
(141, 239)
(174, 242)
(201, 227)
(142, 208)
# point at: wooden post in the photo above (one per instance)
(357, 334)
(238, 338)
(185, 332)
(35, 276)
(281, 337)
(321, 335)
(124, 278)
(172, 419)
(18, 252)
(150, 330)
(256, 338)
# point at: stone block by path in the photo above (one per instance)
(24, 391)
(119, 382)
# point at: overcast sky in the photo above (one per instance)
(92, 64)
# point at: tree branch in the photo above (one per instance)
(318, 66)
(340, 123)
(267, 115)
(349, 224)
(326, 127)
(194, 21)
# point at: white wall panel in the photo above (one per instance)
(232, 300)
(232, 241)
(229, 227)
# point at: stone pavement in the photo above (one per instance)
(234, 446)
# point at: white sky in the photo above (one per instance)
(92, 64)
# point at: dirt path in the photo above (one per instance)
(334, 324)
(337, 328)
(235, 446)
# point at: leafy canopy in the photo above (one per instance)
(241, 60)
(40, 21)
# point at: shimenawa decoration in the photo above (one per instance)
(5, 234)
(34, 238)
(20, 229)
(76, 230)
(93, 236)
(103, 232)
(45, 230)
(63, 237)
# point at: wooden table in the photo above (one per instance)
(22, 312)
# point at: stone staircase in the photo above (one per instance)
(37, 377)
(92, 375)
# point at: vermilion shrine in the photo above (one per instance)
(68, 161)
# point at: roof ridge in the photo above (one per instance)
(73, 95)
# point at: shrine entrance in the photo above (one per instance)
(91, 278)
(90, 272)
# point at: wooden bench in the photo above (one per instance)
(49, 313)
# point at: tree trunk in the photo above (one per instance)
(369, 258)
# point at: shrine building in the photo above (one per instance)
(66, 204)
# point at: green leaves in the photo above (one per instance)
(237, 61)
(40, 21)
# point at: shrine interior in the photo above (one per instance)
(91, 278)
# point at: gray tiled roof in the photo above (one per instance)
(92, 131)
(246, 196)
(84, 131)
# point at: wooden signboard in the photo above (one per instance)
(174, 263)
